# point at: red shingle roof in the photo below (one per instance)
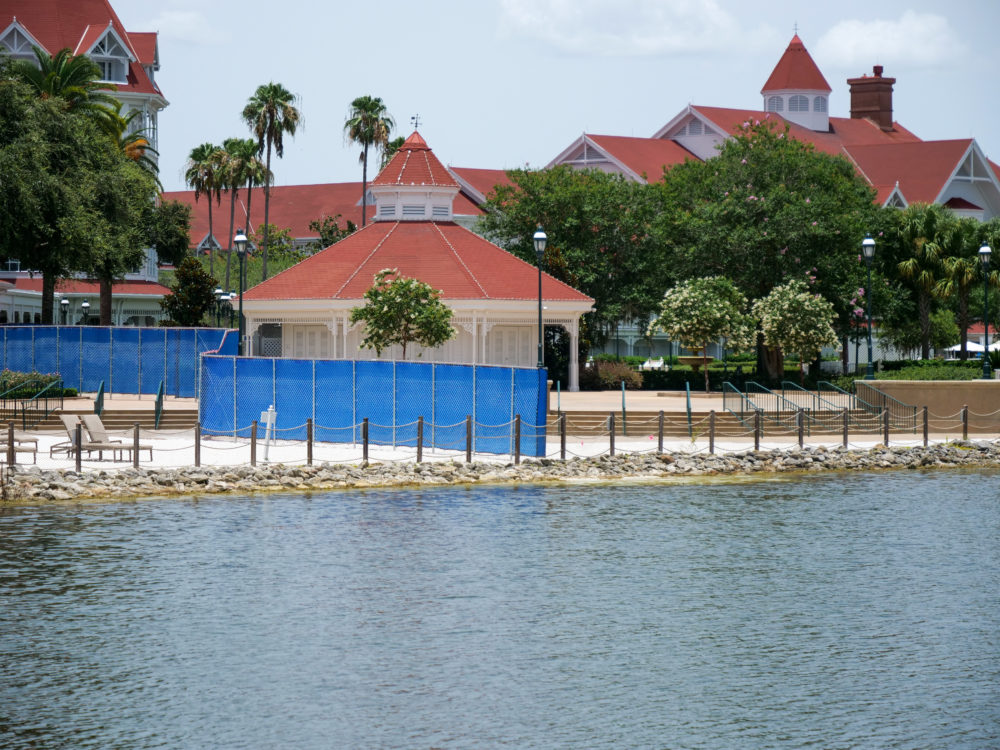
(93, 288)
(144, 44)
(461, 264)
(414, 164)
(644, 156)
(796, 70)
(76, 24)
(922, 168)
(479, 182)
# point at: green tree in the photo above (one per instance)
(192, 295)
(270, 113)
(768, 209)
(391, 148)
(796, 320)
(168, 230)
(961, 271)
(599, 238)
(135, 146)
(369, 125)
(400, 310)
(240, 166)
(204, 173)
(329, 231)
(699, 312)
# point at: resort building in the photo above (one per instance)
(305, 310)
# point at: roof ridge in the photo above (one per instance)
(460, 259)
(357, 270)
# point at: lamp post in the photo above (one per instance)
(85, 306)
(64, 309)
(984, 256)
(540, 240)
(240, 240)
(218, 304)
(868, 247)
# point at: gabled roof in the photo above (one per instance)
(796, 71)
(414, 164)
(77, 24)
(447, 256)
(645, 157)
(960, 204)
(923, 168)
(144, 44)
(477, 184)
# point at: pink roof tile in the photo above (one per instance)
(796, 70)
(461, 264)
(414, 164)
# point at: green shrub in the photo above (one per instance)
(27, 384)
(930, 372)
(603, 376)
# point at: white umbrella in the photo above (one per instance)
(970, 346)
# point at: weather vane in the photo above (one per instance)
(416, 122)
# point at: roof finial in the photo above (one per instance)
(796, 27)
(416, 122)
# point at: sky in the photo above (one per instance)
(508, 83)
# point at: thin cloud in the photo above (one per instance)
(916, 39)
(621, 27)
(187, 26)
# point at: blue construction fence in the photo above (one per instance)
(339, 394)
(126, 360)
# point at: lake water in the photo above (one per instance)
(838, 611)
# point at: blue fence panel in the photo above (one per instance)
(254, 391)
(452, 403)
(334, 401)
(414, 399)
(69, 355)
(494, 428)
(152, 358)
(373, 399)
(124, 360)
(217, 406)
(186, 364)
(230, 344)
(20, 354)
(293, 393)
(95, 353)
(529, 402)
(46, 349)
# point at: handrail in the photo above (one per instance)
(159, 406)
(35, 399)
(687, 387)
(784, 410)
(731, 393)
(900, 415)
(20, 387)
(99, 400)
(817, 400)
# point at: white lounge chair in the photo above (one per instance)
(99, 435)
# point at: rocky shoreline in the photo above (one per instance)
(32, 485)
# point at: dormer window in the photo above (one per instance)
(775, 104)
(111, 58)
(798, 103)
(18, 45)
(694, 127)
(819, 104)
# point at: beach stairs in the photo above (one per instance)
(123, 419)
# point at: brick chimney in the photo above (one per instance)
(871, 97)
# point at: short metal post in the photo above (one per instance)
(562, 436)
(800, 423)
(845, 416)
(135, 445)
(309, 441)
(197, 445)
(926, 424)
(78, 440)
(420, 439)
(253, 443)
(611, 431)
(756, 430)
(965, 421)
(517, 439)
(364, 441)
(659, 432)
(11, 453)
(711, 432)
(885, 427)
(468, 438)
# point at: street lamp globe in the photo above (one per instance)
(868, 248)
(540, 239)
(240, 241)
(984, 256)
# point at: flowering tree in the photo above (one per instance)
(796, 320)
(399, 310)
(700, 311)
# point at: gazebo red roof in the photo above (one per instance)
(796, 70)
(414, 164)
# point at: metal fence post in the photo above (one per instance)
(965, 422)
(78, 441)
(885, 426)
(659, 432)
(11, 453)
(309, 442)
(756, 429)
(925, 426)
(253, 443)
(468, 438)
(197, 445)
(611, 432)
(135, 445)
(800, 426)
(845, 416)
(364, 441)
(562, 436)
(420, 439)
(711, 432)
(517, 437)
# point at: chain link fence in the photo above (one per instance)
(339, 395)
(126, 360)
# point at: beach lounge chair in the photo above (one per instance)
(23, 443)
(70, 421)
(99, 435)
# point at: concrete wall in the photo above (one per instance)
(944, 398)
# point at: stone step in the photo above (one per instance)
(123, 419)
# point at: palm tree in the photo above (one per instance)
(204, 174)
(77, 81)
(241, 153)
(390, 150)
(369, 124)
(961, 268)
(923, 228)
(270, 114)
